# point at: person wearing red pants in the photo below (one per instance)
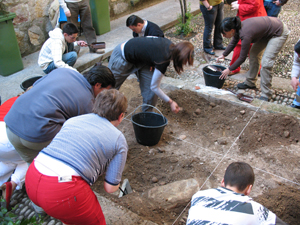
(245, 9)
(86, 147)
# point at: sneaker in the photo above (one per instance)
(295, 106)
(244, 86)
(220, 48)
(210, 52)
(264, 98)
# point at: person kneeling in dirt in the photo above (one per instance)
(295, 76)
(231, 204)
(87, 146)
(155, 52)
(58, 51)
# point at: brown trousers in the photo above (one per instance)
(82, 8)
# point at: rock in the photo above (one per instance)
(212, 104)
(120, 7)
(172, 193)
(154, 180)
(161, 150)
(197, 87)
(13, 203)
(242, 112)
(36, 35)
(182, 137)
(286, 134)
(152, 151)
(27, 212)
(24, 210)
(198, 111)
(222, 141)
(52, 222)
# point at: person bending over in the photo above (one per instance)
(38, 115)
(87, 146)
(230, 203)
(268, 39)
(143, 28)
(155, 52)
(245, 9)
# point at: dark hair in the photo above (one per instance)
(297, 47)
(70, 28)
(230, 23)
(181, 54)
(239, 175)
(133, 20)
(110, 104)
(100, 74)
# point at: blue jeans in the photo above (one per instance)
(272, 9)
(211, 18)
(298, 93)
(69, 58)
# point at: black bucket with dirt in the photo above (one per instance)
(148, 126)
(29, 82)
(211, 75)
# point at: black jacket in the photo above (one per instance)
(151, 30)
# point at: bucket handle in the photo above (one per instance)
(152, 107)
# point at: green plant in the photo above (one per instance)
(7, 218)
(184, 26)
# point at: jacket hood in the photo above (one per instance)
(56, 34)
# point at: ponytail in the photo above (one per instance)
(230, 23)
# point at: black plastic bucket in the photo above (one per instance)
(212, 78)
(29, 82)
(148, 126)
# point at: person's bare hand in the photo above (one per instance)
(221, 57)
(295, 83)
(82, 43)
(277, 2)
(68, 13)
(151, 68)
(174, 107)
(224, 74)
(235, 5)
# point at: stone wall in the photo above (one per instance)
(32, 22)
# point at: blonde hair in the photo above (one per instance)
(110, 104)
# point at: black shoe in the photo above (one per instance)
(244, 86)
(210, 52)
(295, 106)
(220, 48)
(264, 98)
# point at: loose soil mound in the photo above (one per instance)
(284, 201)
(213, 126)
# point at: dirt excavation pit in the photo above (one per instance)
(196, 147)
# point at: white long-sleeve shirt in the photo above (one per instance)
(296, 66)
(63, 4)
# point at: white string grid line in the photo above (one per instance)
(224, 156)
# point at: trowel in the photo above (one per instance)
(214, 68)
(242, 97)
